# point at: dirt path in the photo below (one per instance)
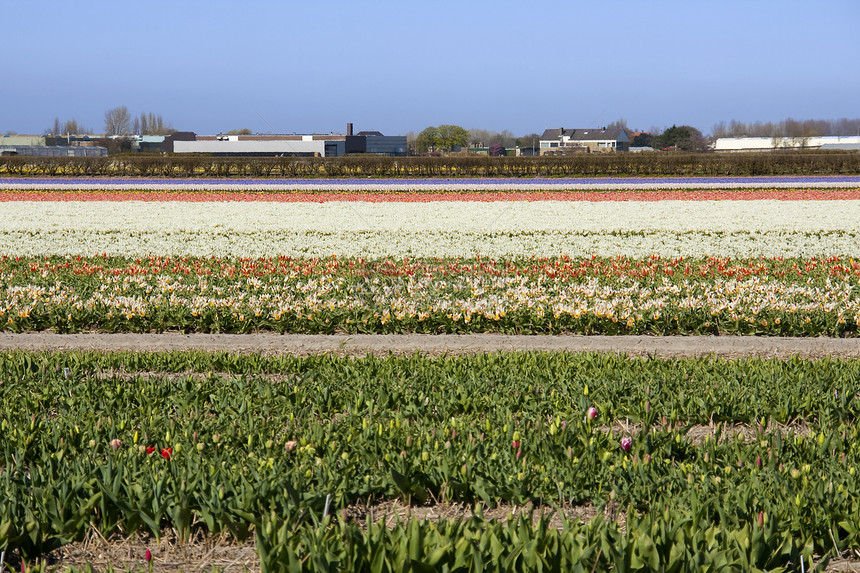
(437, 345)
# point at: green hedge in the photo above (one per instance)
(584, 165)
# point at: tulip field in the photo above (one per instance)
(684, 464)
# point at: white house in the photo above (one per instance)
(600, 139)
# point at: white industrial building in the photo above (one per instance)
(233, 145)
(771, 143)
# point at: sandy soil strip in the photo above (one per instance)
(438, 345)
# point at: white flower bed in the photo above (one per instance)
(636, 229)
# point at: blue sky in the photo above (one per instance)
(283, 67)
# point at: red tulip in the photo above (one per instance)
(148, 556)
(166, 453)
(150, 449)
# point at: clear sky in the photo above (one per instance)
(399, 66)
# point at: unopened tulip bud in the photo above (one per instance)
(291, 445)
(115, 444)
(591, 414)
(626, 443)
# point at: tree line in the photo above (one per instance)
(788, 128)
(118, 122)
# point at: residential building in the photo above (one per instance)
(590, 140)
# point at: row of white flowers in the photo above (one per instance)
(636, 229)
(409, 298)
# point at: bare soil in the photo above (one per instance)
(442, 345)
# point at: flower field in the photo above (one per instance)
(688, 465)
(771, 296)
(772, 261)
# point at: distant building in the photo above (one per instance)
(773, 143)
(53, 150)
(253, 145)
(167, 144)
(313, 145)
(591, 140)
(14, 140)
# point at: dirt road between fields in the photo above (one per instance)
(439, 345)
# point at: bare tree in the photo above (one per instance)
(72, 127)
(117, 121)
(619, 123)
(486, 138)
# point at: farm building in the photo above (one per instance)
(772, 143)
(562, 141)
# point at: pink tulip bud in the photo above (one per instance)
(591, 414)
(515, 444)
(148, 556)
(626, 443)
(291, 445)
(115, 444)
(758, 462)
(519, 454)
(647, 405)
(761, 519)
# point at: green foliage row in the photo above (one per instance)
(578, 165)
(254, 445)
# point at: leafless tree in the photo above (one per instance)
(117, 121)
(72, 127)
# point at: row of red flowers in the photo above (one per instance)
(422, 197)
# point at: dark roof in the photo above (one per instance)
(372, 133)
(587, 134)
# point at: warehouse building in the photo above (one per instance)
(53, 151)
(772, 143)
(313, 145)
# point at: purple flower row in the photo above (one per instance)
(478, 182)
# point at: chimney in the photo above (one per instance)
(349, 129)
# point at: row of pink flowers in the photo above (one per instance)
(418, 197)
